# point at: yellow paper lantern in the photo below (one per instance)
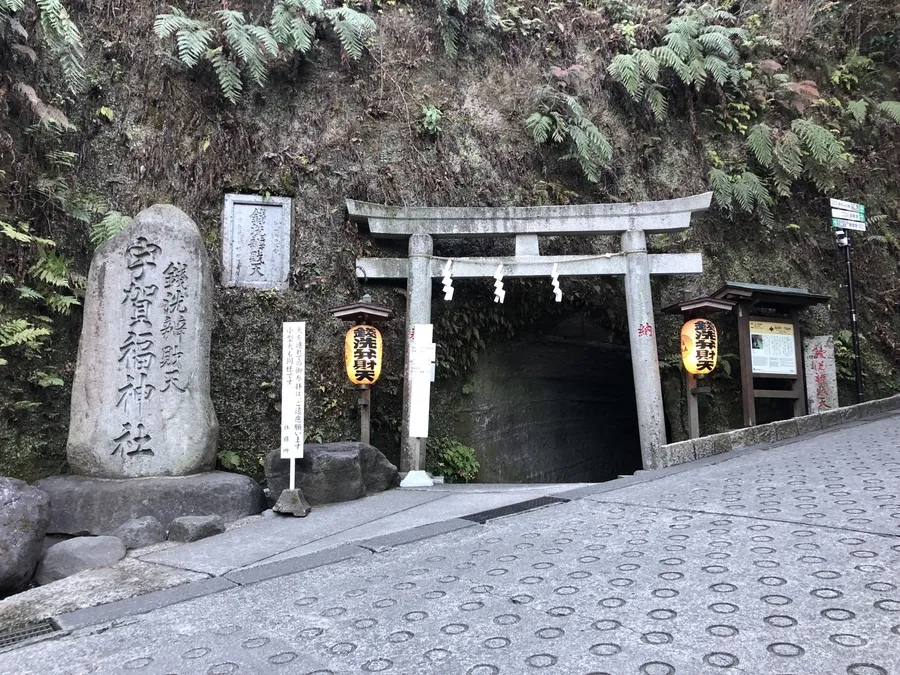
(699, 346)
(362, 354)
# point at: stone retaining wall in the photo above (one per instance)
(767, 434)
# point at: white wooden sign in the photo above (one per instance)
(421, 356)
(772, 348)
(293, 388)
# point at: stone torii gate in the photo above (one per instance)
(632, 221)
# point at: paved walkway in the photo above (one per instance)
(781, 561)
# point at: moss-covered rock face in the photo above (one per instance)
(323, 130)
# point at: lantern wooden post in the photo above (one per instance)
(361, 313)
(689, 309)
(365, 413)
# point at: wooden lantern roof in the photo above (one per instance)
(364, 311)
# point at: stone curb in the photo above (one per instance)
(386, 541)
(142, 604)
(266, 571)
(115, 611)
(682, 452)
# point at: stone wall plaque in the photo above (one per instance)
(256, 241)
(821, 373)
(140, 398)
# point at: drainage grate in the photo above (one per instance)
(530, 505)
(11, 636)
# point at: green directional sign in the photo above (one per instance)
(840, 224)
(848, 215)
(858, 209)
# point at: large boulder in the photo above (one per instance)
(332, 472)
(76, 555)
(24, 513)
(80, 505)
(140, 397)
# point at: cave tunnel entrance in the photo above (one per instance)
(526, 226)
(555, 406)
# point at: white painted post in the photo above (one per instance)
(418, 311)
(642, 337)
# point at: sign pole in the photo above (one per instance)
(857, 358)
(850, 216)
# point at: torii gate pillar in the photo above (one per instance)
(642, 338)
(633, 222)
(418, 311)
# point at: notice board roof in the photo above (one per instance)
(773, 297)
(700, 306)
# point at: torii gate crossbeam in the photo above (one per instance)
(631, 221)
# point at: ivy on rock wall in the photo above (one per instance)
(775, 107)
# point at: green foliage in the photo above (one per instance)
(515, 19)
(452, 15)
(700, 44)
(431, 118)
(853, 71)
(808, 150)
(858, 110)
(760, 143)
(843, 356)
(47, 284)
(743, 191)
(111, 224)
(235, 48)
(865, 109)
(60, 36)
(558, 118)
(891, 110)
(451, 459)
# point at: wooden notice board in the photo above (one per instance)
(770, 349)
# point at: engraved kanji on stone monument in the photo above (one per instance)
(140, 398)
(821, 373)
(256, 241)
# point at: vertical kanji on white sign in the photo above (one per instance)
(293, 383)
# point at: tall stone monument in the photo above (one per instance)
(140, 399)
(143, 432)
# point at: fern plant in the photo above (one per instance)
(108, 227)
(60, 36)
(807, 150)
(865, 109)
(231, 46)
(743, 191)
(235, 48)
(559, 119)
(48, 283)
(698, 46)
(452, 15)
